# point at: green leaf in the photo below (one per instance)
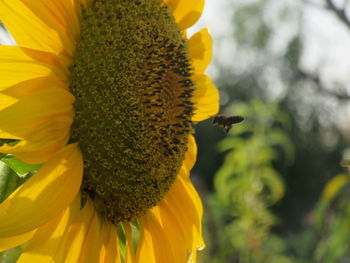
(11, 255)
(9, 181)
(9, 141)
(13, 173)
(19, 167)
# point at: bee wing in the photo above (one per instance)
(235, 119)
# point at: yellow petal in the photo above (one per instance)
(191, 155)
(27, 115)
(130, 253)
(65, 238)
(20, 64)
(185, 204)
(28, 87)
(154, 246)
(92, 243)
(105, 237)
(14, 241)
(200, 50)
(205, 98)
(44, 195)
(192, 198)
(186, 12)
(41, 145)
(60, 15)
(47, 239)
(75, 234)
(6, 101)
(172, 230)
(36, 25)
(110, 252)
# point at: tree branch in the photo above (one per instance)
(320, 87)
(339, 12)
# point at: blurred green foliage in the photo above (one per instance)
(10, 255)
(332, 222)
(13, 172)
(303, 223)
(247, 184)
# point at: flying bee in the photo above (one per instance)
(226, 122)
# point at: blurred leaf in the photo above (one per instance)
(19, 167)
(13, 173)
(8, 141)
(247, 184)
(9, 181)
(274, 183)
(11, 255)
(333, 186)
(229, 143)
(280, 139)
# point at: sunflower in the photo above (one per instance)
(104, 95)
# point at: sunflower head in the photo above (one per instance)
(132, 81)
(107, 91)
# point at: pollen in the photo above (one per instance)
(132, 80)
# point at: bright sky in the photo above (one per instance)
(327, 40)
(327, 44)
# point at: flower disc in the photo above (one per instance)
(132, 80)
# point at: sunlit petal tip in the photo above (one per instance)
(186, 12)
(201, 247)
(185, 205)
(200, 47)
(205, 98)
